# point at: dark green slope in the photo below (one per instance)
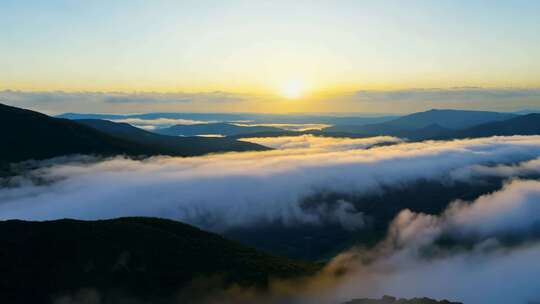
(225, 129)
(522, 125)
(450, 119)
(432, 122)
(184, 146)
(27, 135)
(144, 258)
(392, 300)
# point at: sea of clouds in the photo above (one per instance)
(241, 189)
(485, 271)
(220, 191)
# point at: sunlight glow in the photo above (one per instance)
(292, 89)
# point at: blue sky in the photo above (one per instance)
(258, 48)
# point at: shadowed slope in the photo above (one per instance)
(145, 258)
(31, 135)
(174, 145)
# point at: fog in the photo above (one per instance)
(220, 191)
(241, 189)
(487, 272)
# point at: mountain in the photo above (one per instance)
(172, 145)
(232, 117)
(392, 300)
(132, 258)
(224, 129)
(320, 119)
(89, 116)
(450, 119)
(31, 135)
(151, 116)
(427, 132)
(442, 119)
(521, 125)
(527, 111)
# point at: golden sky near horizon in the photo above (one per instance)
(293, 53)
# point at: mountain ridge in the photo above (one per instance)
(144, 258)
(32, 135)
(220, 128)
(175, 145)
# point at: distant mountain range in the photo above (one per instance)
(515, 125)
(422, 124)
(224, 129)
(433, 124)
(393, 300)
(127, 258)
(170, 145)
(528, 124)
(450, 119)
(31, 135)
(241, 117)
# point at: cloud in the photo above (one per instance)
(451, 94)
(122, 102)
(366, 101)
(527, 168)
(159, 98)
(421, 99)
(321, 143)
(486, 273)
(292, 127)
(217, 192)
(409, 262)
(244, 189)
(151, 124)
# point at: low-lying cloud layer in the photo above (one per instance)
(316, 144)
(152, 124)
(481, 251)
(410, 263)
(289, 126)
(241, 189)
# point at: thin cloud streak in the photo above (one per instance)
(368, 101)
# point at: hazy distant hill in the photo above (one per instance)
(145, 258)
(393, 300)
(89, 116)
(150, 116)
(434, 124)
(184, 146)
(31, 135)
(528, 111)
(450, 119)
(225, 129)
(237, 117)
(425, 122)
(521, 125)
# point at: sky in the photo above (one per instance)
(272, 56)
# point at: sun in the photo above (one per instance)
(292, 89)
